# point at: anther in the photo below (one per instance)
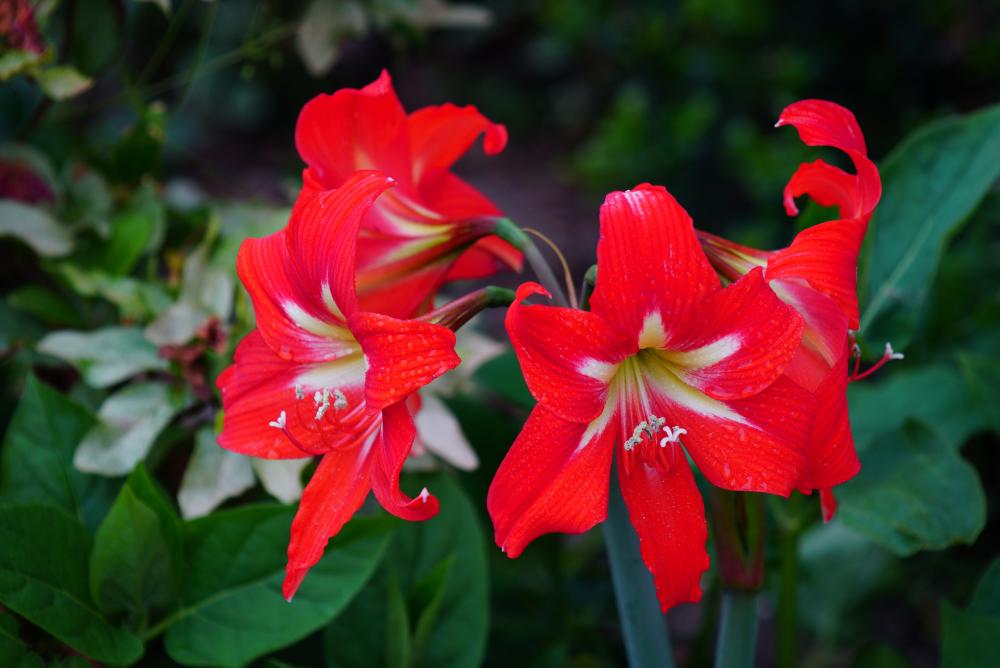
(280, 422)
(888, 356)
(299, 393)
(672, 435)
(340, 401)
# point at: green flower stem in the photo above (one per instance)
(737, 640)
(791, 529)
(647, 642)
(507, 230)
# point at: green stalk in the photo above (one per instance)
(788, 596)
(647, 642)
(507, 230)
(738, 630)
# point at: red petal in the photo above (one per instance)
(824, 337)
(826, 184)
(765, 454)
(454, 199)
(825, 256)
(668, 514)
(822, 123)
(335, 492)
(549, 483)
(402, 355)
(392, 448)
(648, 260)
(831, 458)
(567, 356)
(740, 341)
(442, 134)
(290, 314)
(260, 385)
(323, 237)
(351, 130)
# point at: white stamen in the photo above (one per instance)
(889, 352)
(424, 495)
(647, 427)
(340, 401)
(279, 423)
(299, 393)
(856, 350)
(672, 435)
(323, 402)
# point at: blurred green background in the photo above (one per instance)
(152, 137)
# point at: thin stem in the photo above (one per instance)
(788, 596)
(737, 630)
(567, 275)
(647, 642)
(507, 230)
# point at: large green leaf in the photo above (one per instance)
(137, 228)
(982, 373)
(439, 567)
(914, 492)
(36, 462)
(43, 577)
(135, 565)
(232, 610)
(935, 394)
(969, 637)
(932, 182)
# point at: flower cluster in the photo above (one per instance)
(691, 349)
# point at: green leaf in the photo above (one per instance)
(36, 461)
(982, 374)
(232, 608)
(136, 561)
(16, 61)
(34, 227)
(127, 426)
(935, 394)
(13, 652)
(135, 230)
(932, 182)
(46, 305)
(446, 552)
(502, 375)
(969, 637)
(397, 623)
(914, 492)
(43, 578)
(135, 299)
(62, 82)
(104, 356)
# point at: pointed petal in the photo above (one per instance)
(323, 238)
(740, 342)
(755, 444)
(335, 492)
(553, 479)
(830, 457)
(402, 355)
(260, 385)
(824, 337)
(290, 313)
(454, 199)
(648, 260)
(822, 123)
(440, 135)
(667, 512)
(392, 449)
(440, 431)
(825, 256)
(828, 504)
(352, 130)
(567, 356)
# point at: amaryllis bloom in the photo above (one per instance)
(18, 27)
(321, 376)
(432, 227)
(817, 276)
(666, 365)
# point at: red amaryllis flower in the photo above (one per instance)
(666, 360)
(18, 28)
(817, 275)
(433, 226)
(320, 376)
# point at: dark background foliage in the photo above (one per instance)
(191, 114)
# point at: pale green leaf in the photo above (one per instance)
(34, 227)
(104, 356)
